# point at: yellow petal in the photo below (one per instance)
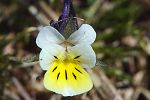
(67, 78)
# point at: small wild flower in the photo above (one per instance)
(65, 58)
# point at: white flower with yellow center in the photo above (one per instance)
(65, 59)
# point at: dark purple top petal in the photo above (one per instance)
(68, 12)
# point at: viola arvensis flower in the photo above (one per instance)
(65, 58)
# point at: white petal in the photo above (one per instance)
(47, 36)
(47, 54)
(87, 57)
(85, 34)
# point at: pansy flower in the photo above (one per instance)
(65, 58)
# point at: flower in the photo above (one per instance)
(65, 57)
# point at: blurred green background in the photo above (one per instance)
(122, 47)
